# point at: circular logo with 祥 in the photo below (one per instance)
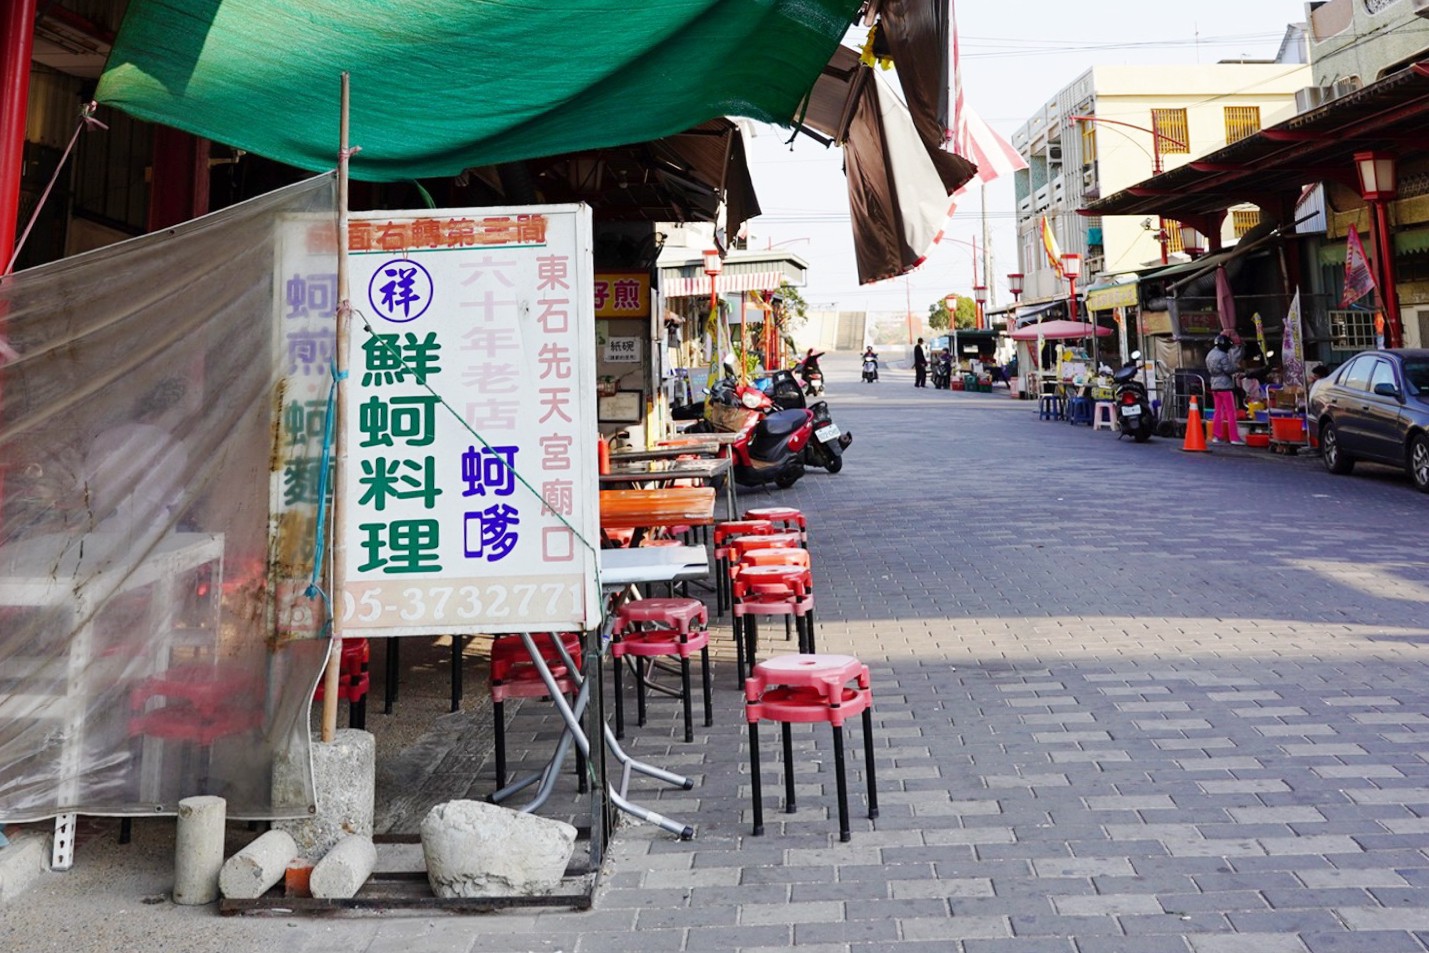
(400, 291)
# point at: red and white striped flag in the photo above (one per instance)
(971, 137)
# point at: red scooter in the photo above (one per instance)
(772, 442)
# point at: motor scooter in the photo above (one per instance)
(870, 368)
(771, 443)
(826, 448)
(1134, 413)
(812, 377)
(942, 372)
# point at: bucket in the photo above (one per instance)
(1258, 439)
(1287, 429)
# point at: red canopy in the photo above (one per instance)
(1058, 331)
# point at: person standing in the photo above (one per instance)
(920, 365)
(1221, 364)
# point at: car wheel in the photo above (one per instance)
(1336, 460)
(1419, 462)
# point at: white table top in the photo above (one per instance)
(627, 567)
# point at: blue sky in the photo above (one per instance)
(1011, 65)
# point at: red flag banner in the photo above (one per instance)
(1358, 280)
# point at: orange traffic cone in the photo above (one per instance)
(1195, 430)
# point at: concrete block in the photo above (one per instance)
(344, 776)
(475, 849)
(198, 849)
(250, 873)
(344, 870)
(23, 861)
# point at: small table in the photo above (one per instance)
(667, 506)
(698, 448)
(659, 472)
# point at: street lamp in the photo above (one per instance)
(1378, 187)
(1190, 240)
(1071, 270)
(980, 296)
(1014, 285)
(713, 266)
(951, 303)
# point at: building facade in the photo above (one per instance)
(1114, 126)
(1355, 42)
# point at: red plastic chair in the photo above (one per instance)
(661, 628)
(514, 675)
(806, 689)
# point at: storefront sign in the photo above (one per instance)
(1116, 296)
(621, 351)
(470, 420)
(622, 295)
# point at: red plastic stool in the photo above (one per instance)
(680, 629)
(777, 590)
(514, 675)
(202, 704)
(353, 681)
(782, 516)
(807, 689)
(724, 532)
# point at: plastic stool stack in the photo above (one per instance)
(353, 681)
(661, 628)
(783, 517)
(807, 689)
(724, 534)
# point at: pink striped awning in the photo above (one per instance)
(724, 284)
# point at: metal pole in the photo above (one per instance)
(344, 330)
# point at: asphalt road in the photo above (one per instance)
(1126, 699)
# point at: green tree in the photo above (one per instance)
(965, 313)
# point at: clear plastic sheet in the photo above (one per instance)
(147, 518)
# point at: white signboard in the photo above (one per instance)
(470, 492)
(622, 351)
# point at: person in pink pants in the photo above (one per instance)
(1221, 364)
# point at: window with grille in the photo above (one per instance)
(1352, 330)
(1172, 228)
(1243, 222)
(1171, 133)
(1089, 143)
(1241, 121)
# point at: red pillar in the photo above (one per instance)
(17, 43)
(178, 188)
(1388, 287)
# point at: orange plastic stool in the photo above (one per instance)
(807, 689)
(678, 628)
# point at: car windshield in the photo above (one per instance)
(1416, 373)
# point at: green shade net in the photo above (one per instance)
(443, 85)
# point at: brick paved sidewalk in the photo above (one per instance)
(1126, 699)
